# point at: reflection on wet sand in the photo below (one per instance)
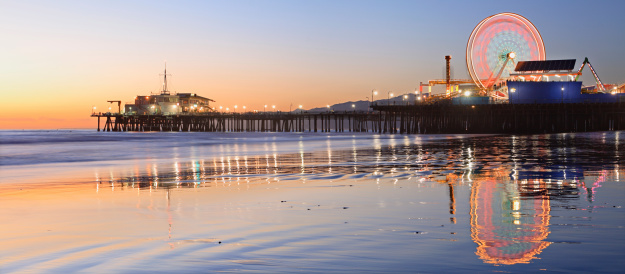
(499, 193)
(510, 220)
(507, 227)
(510, 199)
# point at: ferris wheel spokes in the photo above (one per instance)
(492, 81)
(496, 44)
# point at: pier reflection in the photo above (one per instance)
(509, 223)
(508, 184)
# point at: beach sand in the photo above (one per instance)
(360, 204)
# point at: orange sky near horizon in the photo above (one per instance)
(64, 99)
(59, 60)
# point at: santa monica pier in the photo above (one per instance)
(512, 88)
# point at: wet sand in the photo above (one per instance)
(478, 204)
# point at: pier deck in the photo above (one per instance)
(242, 122)
(408, 119)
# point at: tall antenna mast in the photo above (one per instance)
(165, 91)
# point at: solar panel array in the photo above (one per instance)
(546, 65)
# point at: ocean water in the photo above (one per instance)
(86, 201)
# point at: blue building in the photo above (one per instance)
(520, 92)
(523, 91)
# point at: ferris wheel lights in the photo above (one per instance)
(498, 37)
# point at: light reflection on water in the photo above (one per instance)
(505, 158)
(509, 216)
(495, 201)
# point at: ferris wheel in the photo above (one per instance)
(497, 43)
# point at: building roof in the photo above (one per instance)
(185, 95)
(545, 65)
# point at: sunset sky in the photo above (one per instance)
(58, 59)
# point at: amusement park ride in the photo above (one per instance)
(600, 85)
(498, 50)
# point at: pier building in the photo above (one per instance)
(166, 103)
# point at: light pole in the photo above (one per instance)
(354, 107)
(274, 107)
(235, 108)
(405, 99)
(300, 109)
(513, 90)
(417, 95)
(373, 92)
(389, 94)
(265, 108)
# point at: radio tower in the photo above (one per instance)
(447, 74)
(165, 91)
